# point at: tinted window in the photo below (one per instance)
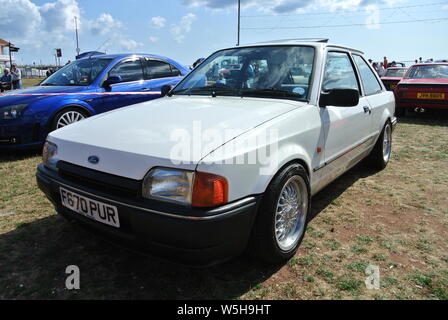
(281, 72)
(158, 69)
(128, 70)
(78, 73)
(428, 72)
(395, 73)
(368, 78)
(339, 73)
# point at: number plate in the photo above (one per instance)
(435, 96)
(89, 208)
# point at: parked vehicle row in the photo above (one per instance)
(84, 88)
(323, 106)
(422, 86)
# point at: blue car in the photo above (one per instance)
(83, 88)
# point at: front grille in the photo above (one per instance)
(99, 181)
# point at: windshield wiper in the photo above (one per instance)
(271, 92)
(48, 84)
(214, 90)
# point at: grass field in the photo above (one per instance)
(396, 219)
(31, 82)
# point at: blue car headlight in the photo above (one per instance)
(12, 112)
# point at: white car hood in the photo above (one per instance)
(131, 140)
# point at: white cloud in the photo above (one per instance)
(128, 44)
(153, 39)
(180, 30)
(104, 24)
(284, 6)
(59, 16)
(157, 22)
(18, 18)
(30, 24)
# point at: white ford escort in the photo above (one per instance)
(227, 160)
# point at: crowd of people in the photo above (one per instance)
(381, 67)
(11, 79)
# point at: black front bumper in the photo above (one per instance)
(191, 236)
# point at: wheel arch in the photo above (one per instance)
(64, 107)
(298, 159)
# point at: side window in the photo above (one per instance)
(130, 70)
(159, 69)
(339, 73)
(369, 81)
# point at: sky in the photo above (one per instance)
(186, 30)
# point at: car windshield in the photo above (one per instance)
(428, 72)
(78, 73)
(271, 72)
(399, 73)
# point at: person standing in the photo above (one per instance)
(375, 66)
(16, 77)
(382, 69)
(385, 63)
(5, 80)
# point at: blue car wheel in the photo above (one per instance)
(68, 116)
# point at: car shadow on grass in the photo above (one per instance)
(34, 256)
(429, 118)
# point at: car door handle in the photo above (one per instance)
(367, 109)
(146, 89)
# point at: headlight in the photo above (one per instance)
(198, 189)
(168, 184)
(12, 112)
(48, 154)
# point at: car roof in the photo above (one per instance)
(315, 42)
(431, 64)
(125, 55)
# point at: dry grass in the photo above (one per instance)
(396, 219)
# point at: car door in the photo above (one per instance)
(159, 73)
(127, 91)
(346, 128)
(374, 93)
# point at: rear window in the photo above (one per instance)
(369, 80)
(398, 73)
(428, 72)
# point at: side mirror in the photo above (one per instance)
(112, 80)
(166, 89)
(339, 98)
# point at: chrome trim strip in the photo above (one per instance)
(343, 153)
(171, 215)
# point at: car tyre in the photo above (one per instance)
(380, 155)
(68, 116)
(285, 206)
